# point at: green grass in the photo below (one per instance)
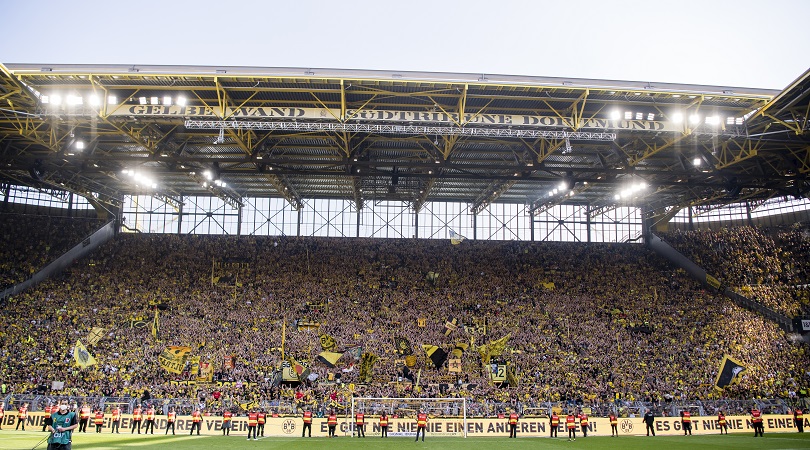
(13, 440)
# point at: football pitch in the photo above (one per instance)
(12, 440)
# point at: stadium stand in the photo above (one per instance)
(604, 325)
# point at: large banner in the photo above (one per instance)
(173, 358)
(527, 427)
(386, 116)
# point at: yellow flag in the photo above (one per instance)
(95, 335)
(83, 358)
(173, 358)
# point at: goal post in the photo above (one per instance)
(446, 416)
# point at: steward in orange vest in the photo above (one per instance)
(614, 422)
(98, 420)
(331, 421)
(170, 418)
(571, 424)
(84, 418)
(150, 420)
(137, 416)
(116, 420)
(261, 420)
(421, 425)
(383, 425)
(360, 424)
(756, 421)
(227, 418)
(686, 421)
(253, 420)
(583, 424)
(721, 422)
(307, 423)
(22, 415)
(798, 419)
(196, 422)
(49, 410)
(555, 424)
(513, 423)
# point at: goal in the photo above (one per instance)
(447, 416)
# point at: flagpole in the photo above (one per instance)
(283, 336)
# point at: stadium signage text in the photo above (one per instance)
(433, 117)
(527, 427)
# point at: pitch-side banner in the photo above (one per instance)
(527, 427)
(365, 116)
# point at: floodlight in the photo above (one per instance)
(677, 117)
(694, 119)
(696, 162)
(56, 99)
(154, 101)
(79, 145)
(167, 100)
(181, 101)
(615, 115)
(112, 100)
(142, 100)
(94, 100)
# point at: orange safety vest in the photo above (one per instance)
(756, 416)
(513, 418)
(613, 420)
(555, 420)
(421, 420)
(116, 415)
(2, 412)
(687, 417)
(85, 413)
(253, 419)
(570, 421)
(99, 420)
(359, 419)
(262, 417)
(150, 414)
(721, 419)
(226, 416)
(332, 420)
(797, 414)
(23, 413)
(583, 420)
(307, 416)
(383, 421)
(195, 417)
(171, 417)
(136, 415)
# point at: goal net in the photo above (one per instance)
(446, 416)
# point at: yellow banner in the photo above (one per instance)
(475, 427)
(173, 358)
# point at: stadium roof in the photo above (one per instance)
(416, 137)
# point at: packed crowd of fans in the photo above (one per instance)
(27, 243)
(587, 322)
(770, 266)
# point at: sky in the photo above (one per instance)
(742, 43)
